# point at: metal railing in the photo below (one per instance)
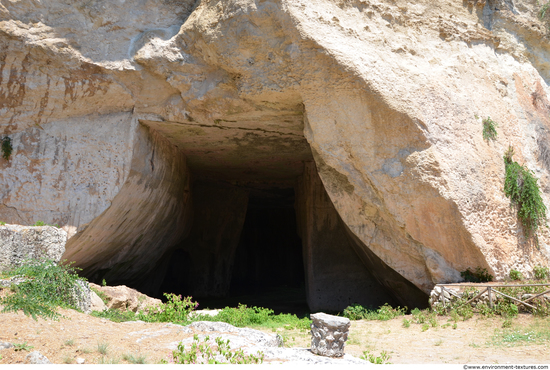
(490, 289)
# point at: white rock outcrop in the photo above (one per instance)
(111, 106)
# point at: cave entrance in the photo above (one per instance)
(263, 230)
(268, 268)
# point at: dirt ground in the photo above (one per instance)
(77, 335)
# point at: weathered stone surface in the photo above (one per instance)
(124, 298)
(329, 334)
(81, 295)
(37, 358)
(20, 243)
(385, 92)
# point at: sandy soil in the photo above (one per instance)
(77, 335)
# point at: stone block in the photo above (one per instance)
(329, 334)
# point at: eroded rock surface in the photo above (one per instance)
(21, 243)
(112, 108)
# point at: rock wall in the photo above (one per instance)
(389, 95)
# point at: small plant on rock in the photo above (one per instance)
(489, 129)
(524, 193)
(6, 147)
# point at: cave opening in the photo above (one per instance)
(259, 227)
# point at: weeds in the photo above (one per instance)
(22, 347)
(175, 309)
(47, 286)
(204, 353)
(489, 129)
(541, 273)
(69, 342)
(67, 359)
(384, 313)
(406, 323)
(102, 348)
(115, 315)
(137, 359)
(382, 359)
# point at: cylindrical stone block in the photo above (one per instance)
(328, 334)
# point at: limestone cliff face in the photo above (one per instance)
(112, 105)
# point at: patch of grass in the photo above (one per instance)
(104, 361)
(522, 188)
(257, 317)
(425, 326)
(47, 286)
(384, 313)
(2, 223)
(67, 359)
(438, 342)
(137, 359)
(85, 350)
(203, 352)
(406, 323)
(115, 315)
(102, 348)
(489, 129)
(69, 342)
(383, 358)
(514, 335)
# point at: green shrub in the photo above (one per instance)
(524, 193)
(47, 286)
(204, 353)
(516, 275)
(478, 276)
(175, 309)
(489, 129)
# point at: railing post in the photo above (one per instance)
(490, 297)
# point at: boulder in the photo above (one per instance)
(124, 298)
(19, 243)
